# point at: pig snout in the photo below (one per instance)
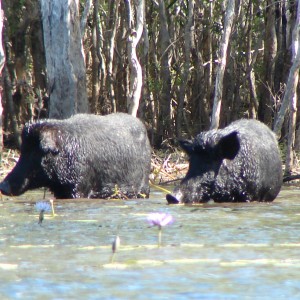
(174, 198)
(5, 188)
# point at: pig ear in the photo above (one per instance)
(229, 145)
(48, 141)
(187, 146)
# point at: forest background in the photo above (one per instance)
(182, 66)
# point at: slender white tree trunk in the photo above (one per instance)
(87, 7)
(136, 77)
(229, 16)
(64, 58)
(292, 82)
(290, 97)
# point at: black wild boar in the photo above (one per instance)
(84, 156)
(236, 164)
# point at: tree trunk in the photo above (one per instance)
(85, 14)
(136, 77)
(270, 52)
(204, 102)
(95, 58)
(289, 162)
(292, 82)
(290, 96)
(111, 31)
(10, 108)
(99, 67)
(64, 58)
(164, 119)
(37, 50)
(2, 61)
(186, 68)
(229, 16)
(145, 71)
(251, 58)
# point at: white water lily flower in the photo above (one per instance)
(42, 206)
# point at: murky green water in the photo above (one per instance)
(241, 251)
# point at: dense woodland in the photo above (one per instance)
(182, 66)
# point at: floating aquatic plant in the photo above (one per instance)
(42, 207)
(160, 220)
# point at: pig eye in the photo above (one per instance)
(204, 151)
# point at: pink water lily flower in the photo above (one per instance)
(160, 219)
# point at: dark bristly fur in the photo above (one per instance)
(84, 156)
(236, 164)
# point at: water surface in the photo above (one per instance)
(224, 251)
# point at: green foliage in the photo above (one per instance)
(208, 25)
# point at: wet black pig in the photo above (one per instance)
(239, 163)
(84, 156)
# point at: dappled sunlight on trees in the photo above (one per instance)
(179, 52)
